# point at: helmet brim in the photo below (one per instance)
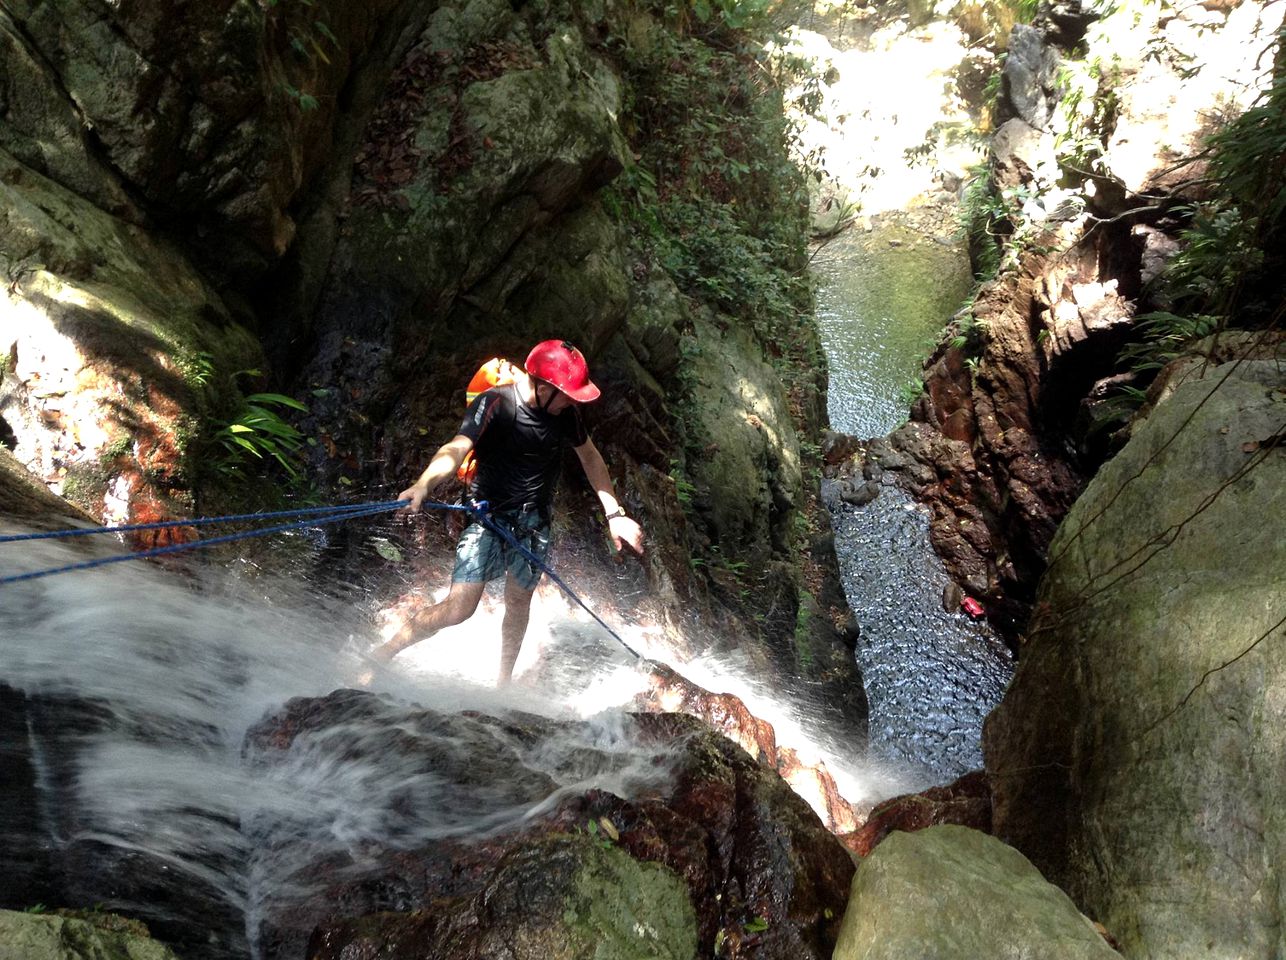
(585, 394)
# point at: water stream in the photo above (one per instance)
(885, 289)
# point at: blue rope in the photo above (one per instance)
(361, 510)
(480, 511)
(483, 514)
(196, 522)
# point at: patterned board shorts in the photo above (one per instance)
(482, 554)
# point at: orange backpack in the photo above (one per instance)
(496, 372)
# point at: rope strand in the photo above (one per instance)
(334, 514)
(195, 522)
(363, 510)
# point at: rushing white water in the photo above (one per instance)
(145, 682)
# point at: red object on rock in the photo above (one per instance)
(972, 607)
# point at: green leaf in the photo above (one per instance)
(325, 31)
(388, 551)
(276, 398)
(246, 444)
(757, 925)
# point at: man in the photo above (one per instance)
(517, 433)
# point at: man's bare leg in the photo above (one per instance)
(513, 627)
(456, 607)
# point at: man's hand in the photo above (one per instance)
(625, 532)
(443, 465)
(416, 494)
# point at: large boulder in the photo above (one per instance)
(1137, 755)
(568, 896)
(759, 873)
(951, 893)
(114, 345)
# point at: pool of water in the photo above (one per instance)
(931, 676)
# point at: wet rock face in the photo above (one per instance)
(27, 878)
(728, 845)
(668, 693)
(1147, 705)
(562, 896)
(191, 110)
(965, 803)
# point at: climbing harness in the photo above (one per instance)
(311, 517)
(482, 512)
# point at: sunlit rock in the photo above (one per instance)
(93, 936)
(952, 893)
(1137, 755)
(114, 343)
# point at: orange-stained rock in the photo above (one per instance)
(965, 802)
(670, 692)
(815, 784)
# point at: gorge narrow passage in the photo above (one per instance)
(885, 287)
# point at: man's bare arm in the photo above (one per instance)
(445, 462)
(624, 531)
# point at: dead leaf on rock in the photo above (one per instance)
(1250, 446)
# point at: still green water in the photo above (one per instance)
(883, 297)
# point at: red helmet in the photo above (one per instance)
(560, 363)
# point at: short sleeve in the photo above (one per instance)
(479, 414)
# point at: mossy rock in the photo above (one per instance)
(47, 936)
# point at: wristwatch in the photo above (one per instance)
(618, 512)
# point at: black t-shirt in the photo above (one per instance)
(519, 448)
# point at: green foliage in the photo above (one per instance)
(803, 650)
(1085, 109)
(311, 42)
(258, 430)
(735, 14)
(1228, 272)
(1164, 336)
(910, 392)
(969, 333)
(757, 925)
(713, 194)
(683, 487)
(982, 215)
(605, 837)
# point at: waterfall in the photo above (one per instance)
(142, 684)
